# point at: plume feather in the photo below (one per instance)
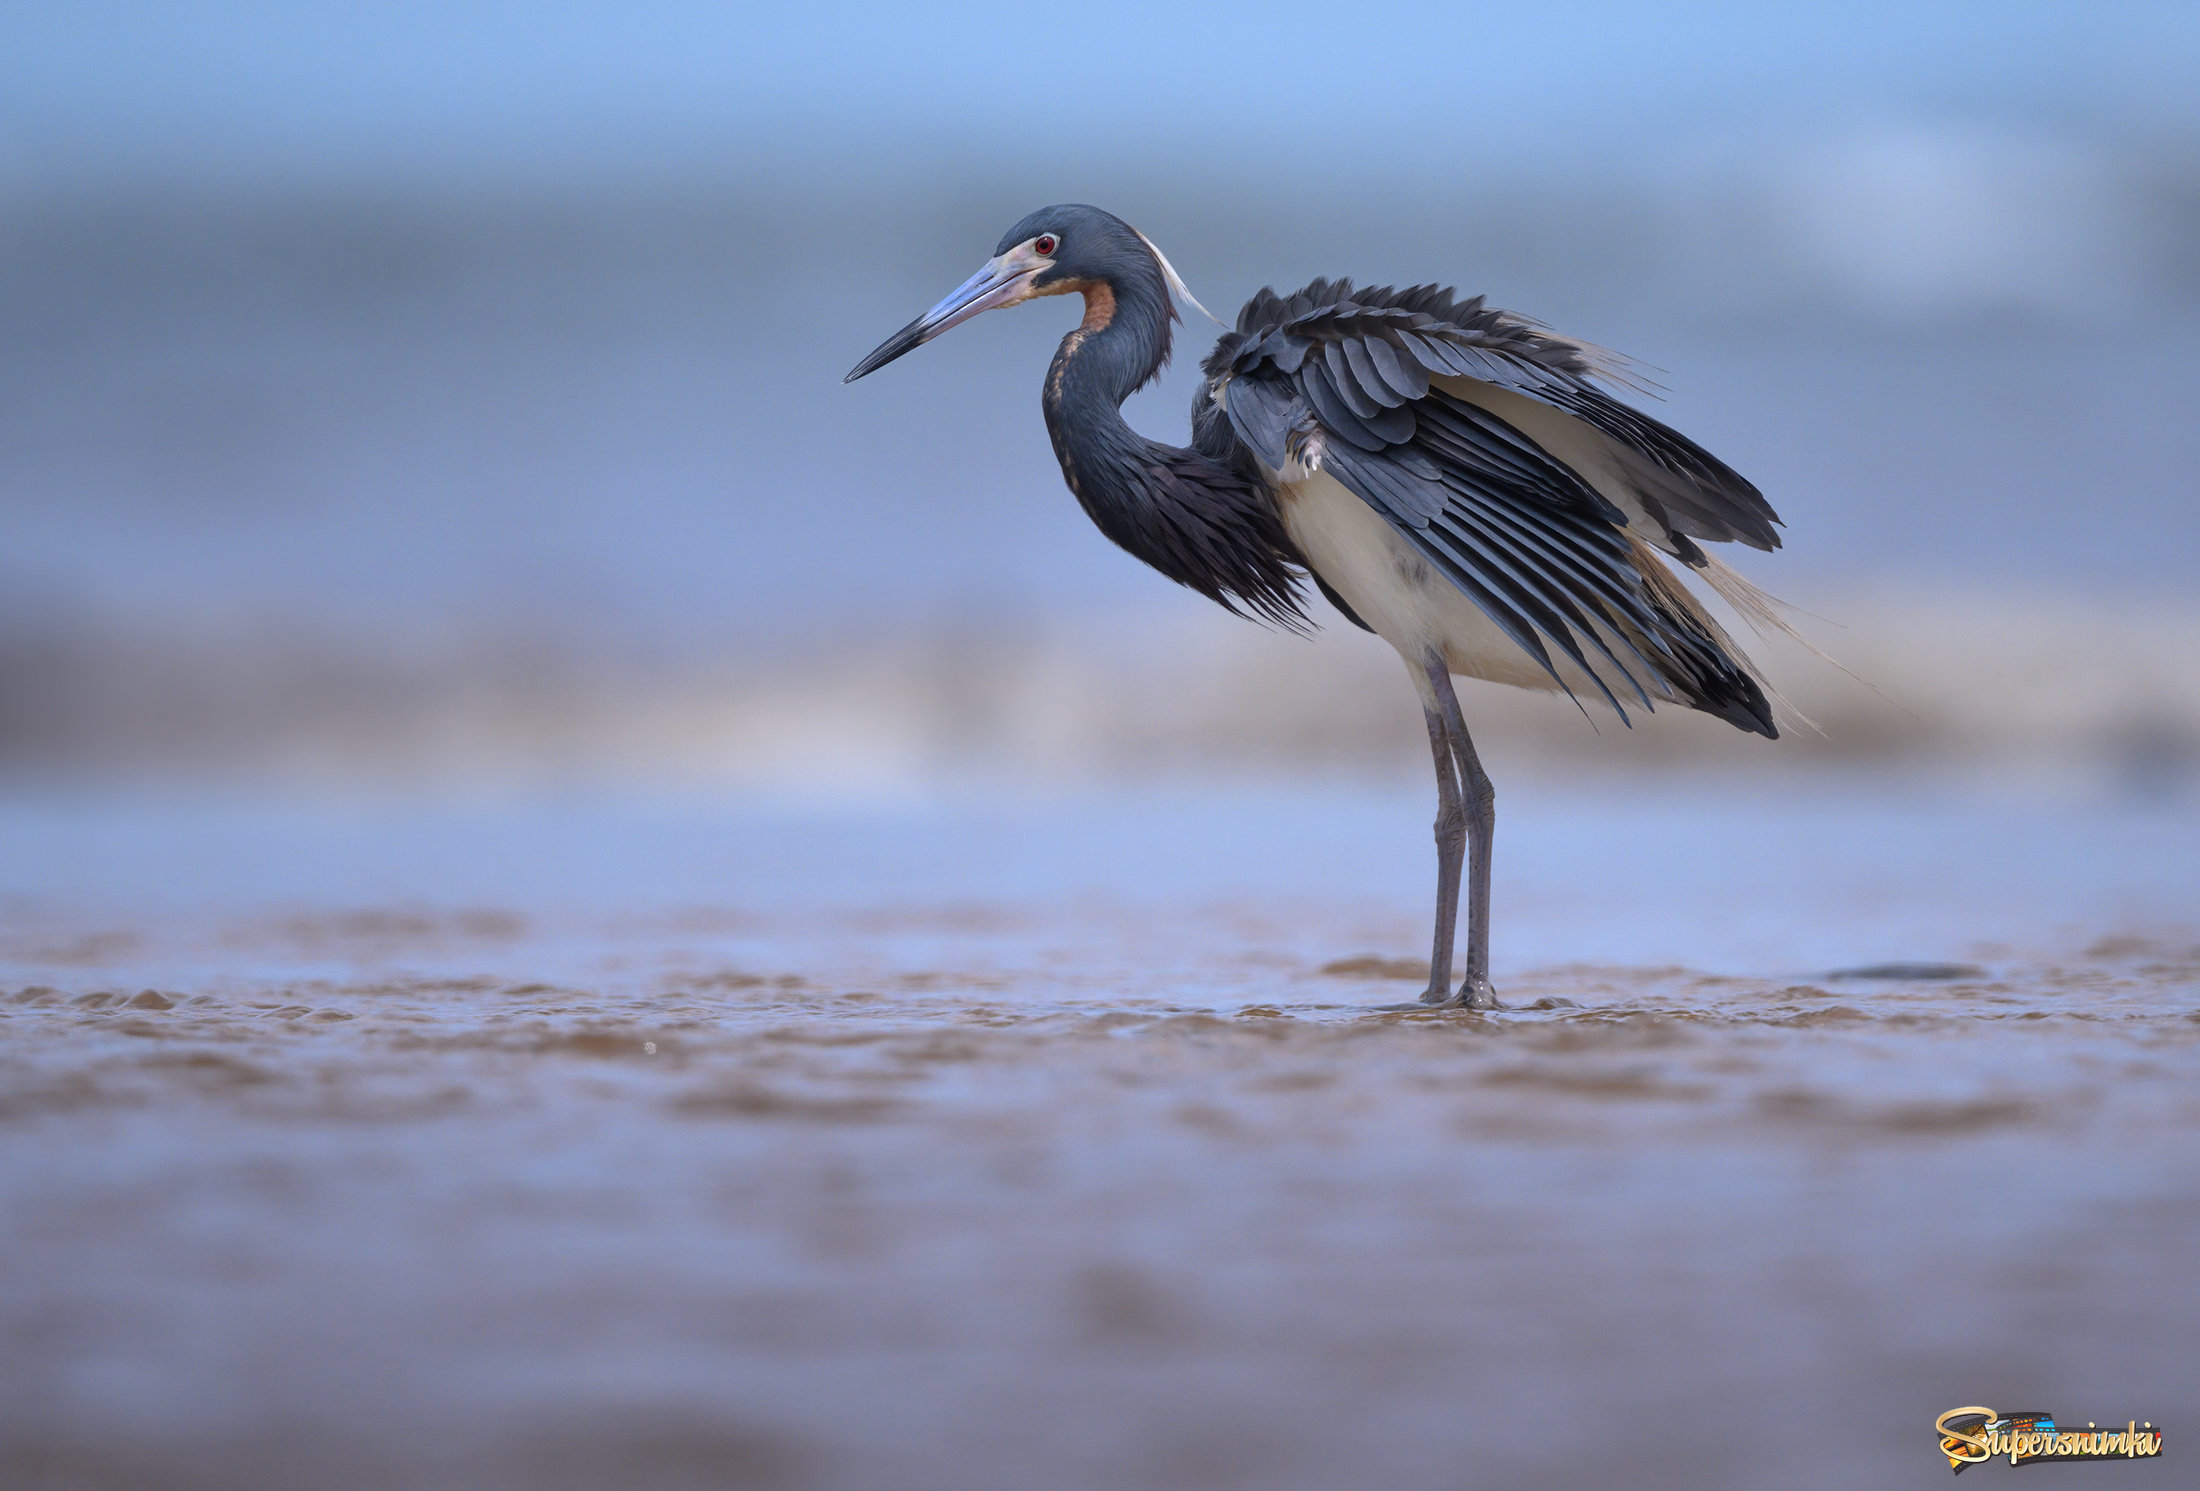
(1176, 281)
(1762, 612)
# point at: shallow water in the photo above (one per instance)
(1066, 1143)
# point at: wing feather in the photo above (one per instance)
(1341, 378)
(1402, 373)
(1380, 346)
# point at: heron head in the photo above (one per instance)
(1052, 252)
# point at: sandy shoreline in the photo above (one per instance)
(1042, 1182)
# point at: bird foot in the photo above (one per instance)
(1478, 996)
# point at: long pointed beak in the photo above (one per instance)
(1003, 281)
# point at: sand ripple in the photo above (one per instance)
(1055, 1190)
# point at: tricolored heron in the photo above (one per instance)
(1450, 476)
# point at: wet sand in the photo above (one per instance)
(1069, 1145)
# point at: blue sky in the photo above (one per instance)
(462, 90)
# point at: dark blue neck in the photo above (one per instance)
(1197, 521)
(1108, 465)
(1120, 347)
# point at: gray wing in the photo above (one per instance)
(1363, 358)
(1549, 557)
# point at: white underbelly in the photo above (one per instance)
(1409, 603)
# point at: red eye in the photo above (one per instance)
(1046, 243)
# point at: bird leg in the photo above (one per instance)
(1480, 813)
(1451, 843)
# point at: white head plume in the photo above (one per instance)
(1176, 281)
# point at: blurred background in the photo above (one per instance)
(582, 905)
(447, 397)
